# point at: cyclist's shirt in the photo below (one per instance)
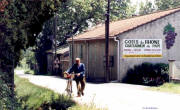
(77, 69)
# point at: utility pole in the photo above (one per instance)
(54, 63)
(72, 50)
(55, 31)
(107, 42)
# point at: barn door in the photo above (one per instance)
(93, 61)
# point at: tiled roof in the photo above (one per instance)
(59, 51)
(62, 51)
(121, 26)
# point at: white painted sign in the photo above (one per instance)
(142, 48)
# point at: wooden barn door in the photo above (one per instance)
(95, 64)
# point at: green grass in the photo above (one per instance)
(86, 107)
(168, 87)
(35, 97)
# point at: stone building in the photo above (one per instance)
(160, 27)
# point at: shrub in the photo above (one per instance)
(148, 74)
(8, 101)
(28, 71)
(58, 103)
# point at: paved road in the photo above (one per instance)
(114, 96)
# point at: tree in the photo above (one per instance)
(43, 43)
(20, 23)
(166, 4)
(121, 9)
(75, 16)
(146, 8)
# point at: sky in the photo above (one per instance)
(137, 2)
(134, 2)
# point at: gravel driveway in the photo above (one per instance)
(114, 96)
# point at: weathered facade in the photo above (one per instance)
(151, 30)
(90, 46)
(63, 57)
(92, 54)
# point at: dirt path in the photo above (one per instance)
(114, 96)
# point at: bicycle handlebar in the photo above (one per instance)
(68, 76)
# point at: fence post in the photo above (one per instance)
(171, 69)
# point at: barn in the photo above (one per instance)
(63, 57)
(151, 38)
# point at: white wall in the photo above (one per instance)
(153, 30)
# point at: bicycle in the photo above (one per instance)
(70, 78)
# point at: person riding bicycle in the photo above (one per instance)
(79, 69)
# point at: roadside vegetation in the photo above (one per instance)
(148, 74)
(28, 63)
(32, 97)
(85, 107)
(168, 87)
(7, 102)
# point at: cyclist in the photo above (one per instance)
(79, 69)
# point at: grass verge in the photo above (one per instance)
(33, 97)
(85, 107)
(168, 87)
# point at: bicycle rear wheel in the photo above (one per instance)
(69, 88)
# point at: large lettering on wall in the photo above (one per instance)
(142, 48)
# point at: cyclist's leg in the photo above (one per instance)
(78, 87)
(83, 83)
